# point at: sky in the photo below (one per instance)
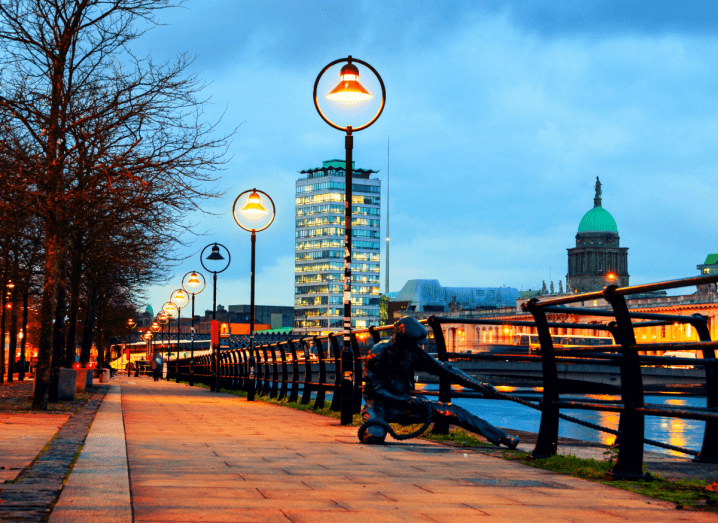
(499, 117)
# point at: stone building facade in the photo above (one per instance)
(598, 258)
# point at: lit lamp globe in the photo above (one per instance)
(194, 284)
(253, 210)
(349, 90)
(171, 310)
(180, 298)
(162, 318)
(155, 327)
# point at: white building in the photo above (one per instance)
(319, 249)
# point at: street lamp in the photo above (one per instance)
(216, 257)
(171, 311)
(253, 211)
(180, 298)
(154, 328)
(162, 319)
(352, 101)
(193, 283)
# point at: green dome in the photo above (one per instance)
(597, 219)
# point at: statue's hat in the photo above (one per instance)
(409, 329)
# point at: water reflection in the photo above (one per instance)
(675, 431)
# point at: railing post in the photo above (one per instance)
(275, 371)
(374, 334)
(307, 392)
(336, 352)
(547, 440)
(319, 401)
(285, 372)
(441, 425)
(250, 381)
(240, 369)
(358, 376)
(258, 372)
(613, 329)
(629, 463)
(709, 449)
(294, 395)
(267, 379)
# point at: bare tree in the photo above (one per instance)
(97, 133)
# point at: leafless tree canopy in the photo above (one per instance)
(103, 155)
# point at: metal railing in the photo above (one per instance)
(297, 368)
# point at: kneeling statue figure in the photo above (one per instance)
(389, 369)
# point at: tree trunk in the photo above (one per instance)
(44, 346)
(13, 333)
(98, 337)
(75, 280)
(23, 343)
(89, 324)
(58, 329)
(3, 282)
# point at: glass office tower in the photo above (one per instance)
(319, 249)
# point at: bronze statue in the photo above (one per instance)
(389, 369)
(598, 188)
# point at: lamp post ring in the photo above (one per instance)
(349, 128)
(201, 259)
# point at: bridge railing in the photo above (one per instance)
(625, 355)
(299, 368)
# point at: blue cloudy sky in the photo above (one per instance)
(500, 117)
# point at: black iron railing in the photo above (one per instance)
(298, 368)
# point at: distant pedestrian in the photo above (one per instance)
(157, 364)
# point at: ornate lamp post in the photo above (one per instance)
(353, 99)
(193, 283)
(162, 319)
(154, 329)
(217, 260)
(253, 211)
(171, 311)
(180, 298)
(130, 324)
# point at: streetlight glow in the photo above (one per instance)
(253, 210)
(193, 281)
(349, 90)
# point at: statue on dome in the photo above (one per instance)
(598, 188)
(560, 287)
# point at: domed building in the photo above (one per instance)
(598, 259)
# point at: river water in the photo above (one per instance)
(675, 431)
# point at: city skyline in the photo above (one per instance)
(500, 117)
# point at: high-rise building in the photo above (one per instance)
(319, 249)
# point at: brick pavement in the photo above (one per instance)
(37, 488)
(198, 456)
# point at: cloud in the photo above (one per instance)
(500, 118)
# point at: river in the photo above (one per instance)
(675, 431)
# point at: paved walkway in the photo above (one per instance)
(198, 456)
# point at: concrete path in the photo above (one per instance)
(22, 437)
(198, 456)
(99, 487)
